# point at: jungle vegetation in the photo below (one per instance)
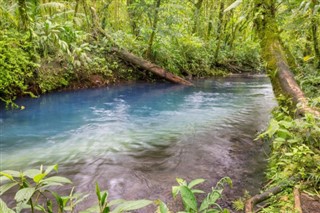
(48, 45)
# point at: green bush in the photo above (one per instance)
(17, 66)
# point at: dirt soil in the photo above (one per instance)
(309, 204)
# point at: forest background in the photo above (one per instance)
(54, 45)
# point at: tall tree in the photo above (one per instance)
(24, 18)
(157, 4)
(282, 79)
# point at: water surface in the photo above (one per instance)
(136, 139)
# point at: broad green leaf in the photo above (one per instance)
(10, 174)
(162, 207)
(4, 208)
(56, 179)
(24, 195)
(195, 182)
(233, 5)
(46, 185)
(286, 124)
(131, 205)
(213, 197)
(31, 173)
(188, 198)
(50, 168)
(6, 187)
(116, 202)
(205, 204)
(38, 177)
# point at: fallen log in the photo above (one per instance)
(135, 60)
(249, 207)
(147, 65)
(250, 203)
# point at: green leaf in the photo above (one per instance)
(233, 5)
(6, 187)
(162, 207)
(181, 181)
(104, 198)
(195, 182)
(31, 173)
(24, 195)
(98, 192)
(175, 191)
(197, 191)
(214, 196)
(38, 177)
(115, 202)
(4, 208)
(50, 168)
(7, 175)
(56, 179)
(205, 204)
(188, 198)
(131, 205)
(11, 172)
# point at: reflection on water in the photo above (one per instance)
(136, 139)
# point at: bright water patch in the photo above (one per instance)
(64, 127)
(143, 134)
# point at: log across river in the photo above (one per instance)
(136, 139)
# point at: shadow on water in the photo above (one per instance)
(135, 140)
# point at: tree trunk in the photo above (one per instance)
(154, 28)
(282, 79)
(146, 65)
(75, 11)
(219, 32)
(132, 17)
(197, 11)
(24, 19)
(137, 61)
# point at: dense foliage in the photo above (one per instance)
(35, 192)
(47, 45)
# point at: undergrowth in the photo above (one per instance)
(36, 191)
(295, 154)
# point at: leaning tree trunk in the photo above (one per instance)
(282, 79)
(147, 65)
(135, 60)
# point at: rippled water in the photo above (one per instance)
(136, 139)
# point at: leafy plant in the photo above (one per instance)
(118, 205)
(17, 66)
(209, 204)
(34, 190)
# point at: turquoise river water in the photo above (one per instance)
(136, 139)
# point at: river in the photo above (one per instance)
(136, 139)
